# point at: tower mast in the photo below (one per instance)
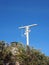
(27, 32)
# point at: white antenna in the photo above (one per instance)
(27, 31)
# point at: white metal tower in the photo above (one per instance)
(27, 32)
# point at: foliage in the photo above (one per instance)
(25, 55)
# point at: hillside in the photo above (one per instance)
(18, 54)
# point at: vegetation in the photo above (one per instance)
(24, 55)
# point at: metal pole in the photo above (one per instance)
(27, 32)
(27, 35)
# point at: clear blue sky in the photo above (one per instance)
(15, 13)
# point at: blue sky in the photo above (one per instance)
(15, 13)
